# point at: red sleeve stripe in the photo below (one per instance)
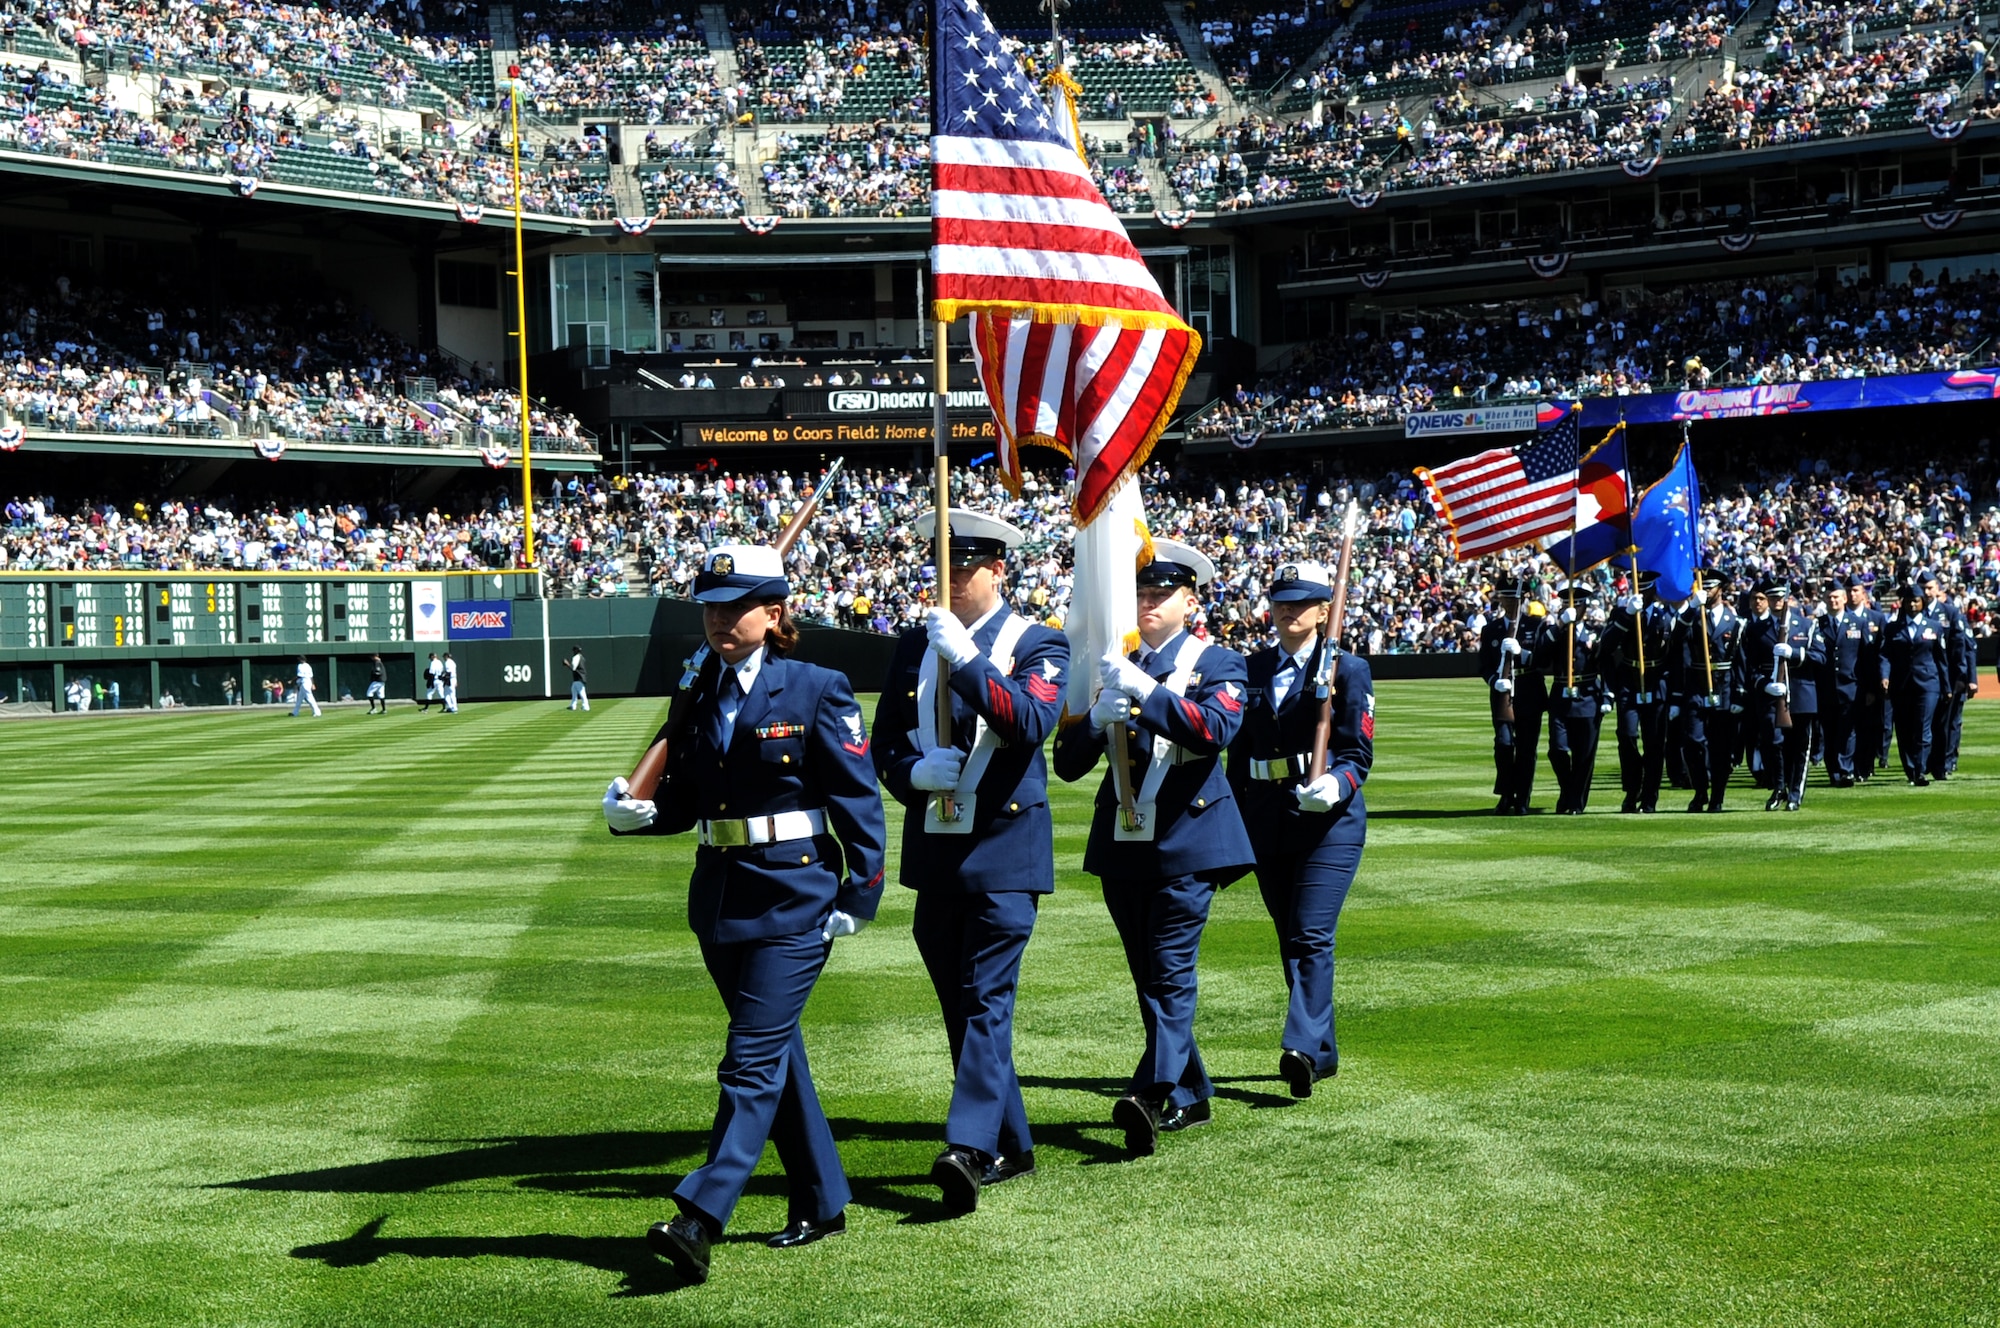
(1191, 712)
(1002, 703)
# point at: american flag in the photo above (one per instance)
(1077, 348)
(1510, 495)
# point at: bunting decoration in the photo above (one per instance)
(1942, 220)
(635, 225)
(1548, 266)
(1737, 244)
(1373, 280)
(496, 457)
(762, 224)
(269, 448)
(1947, 130)
(11, 437)
(1176, 219)
(246, 185)
(471, 213)
(1639, 170)
(1245, 439)
(1365, 200)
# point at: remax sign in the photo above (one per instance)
(481, 619)
(1517, 417)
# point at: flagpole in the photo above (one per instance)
(1638, 586)
(521, 333)
(941, 531)
(1707, 658)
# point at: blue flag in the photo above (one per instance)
(1603, 521)
(1665, 527)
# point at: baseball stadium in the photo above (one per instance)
(1424, 571)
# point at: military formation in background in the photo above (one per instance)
(1771, 679)
(1214, 768)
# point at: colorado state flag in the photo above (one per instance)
(1603, 508)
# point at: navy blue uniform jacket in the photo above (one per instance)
(1278, 828)
(1759, 646)
(1011, 846)
(1197, 829)
(1916, 651)
(798, 744)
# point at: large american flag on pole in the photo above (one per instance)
(1077, 348)
(1510, 495)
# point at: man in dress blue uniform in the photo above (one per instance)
(1640, 697)
(1506, 650)
(1875, 724)
(776, 778)
(1849, 653)
(1307, 833)
(1919, 670)
(1961, 650)
(1577, 700)
(1180, 701)
(978, 842)
(1704, 682)
(1778, 633)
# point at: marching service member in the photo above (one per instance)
(1178, 701)
(768, 762)
(1307, 832)
(1577, 698)
(1506, 650)
(1634, 660)
(1783, 634)
(978, 842)
(1704, 693)
(1855, 680)
(1916, 648)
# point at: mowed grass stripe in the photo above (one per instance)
(1599, 1070)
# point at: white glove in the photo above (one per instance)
(1111, 708)
(1735, 709)
(1774, 689)
(1819, 610)
(1504, 685)
(949, 637)
(1628, 603)
(1783, 651)
(1509, 646)
(1122, 675)
(1603, 707)
(840, 924)
(1673, 712)
(626, 813)
(936, 771)
(1566, 617)
(1322, 795)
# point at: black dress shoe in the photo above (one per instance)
(684, 1243)
(1631, 806)
(1775, 801)
(1140, 1120)
(1297, 1070)
(805, 1230)
(1792, 805)
(1699, 804)
(958, 1173)
(1003, 1169)
(1715, 804)
(1176, 1119)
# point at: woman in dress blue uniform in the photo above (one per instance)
(980, 875)
(1181, 701)
(1578, 700)
(775, 776)
(1307, 833)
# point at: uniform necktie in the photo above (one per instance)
(722, 720)
(1281, 681)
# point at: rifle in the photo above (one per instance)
(645, 780)
(1505, 710)
(1784, 675)
(1330, 643)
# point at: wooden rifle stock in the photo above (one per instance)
(645, 778)
(1505, 709)
(1784, 676)
(1330, 643)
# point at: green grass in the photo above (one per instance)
(368, 1021)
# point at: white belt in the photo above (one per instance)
(1285, 767)
(762, 829)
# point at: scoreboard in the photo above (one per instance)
(369, 611)
(24, 615)
(284, 613)
(197, 613)
(93, 615)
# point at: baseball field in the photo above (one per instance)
(368, 1021)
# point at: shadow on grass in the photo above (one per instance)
(1433, 814)
(641, 1273)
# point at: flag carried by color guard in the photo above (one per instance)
(1076, 347)
(1509, 496)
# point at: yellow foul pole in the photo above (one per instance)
(521, 338)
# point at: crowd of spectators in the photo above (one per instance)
(1699, 334)
(1883, 510)
(859, 170)
(810, 81)
(300, 364)
(657, 79)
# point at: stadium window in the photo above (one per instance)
(468, 285)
